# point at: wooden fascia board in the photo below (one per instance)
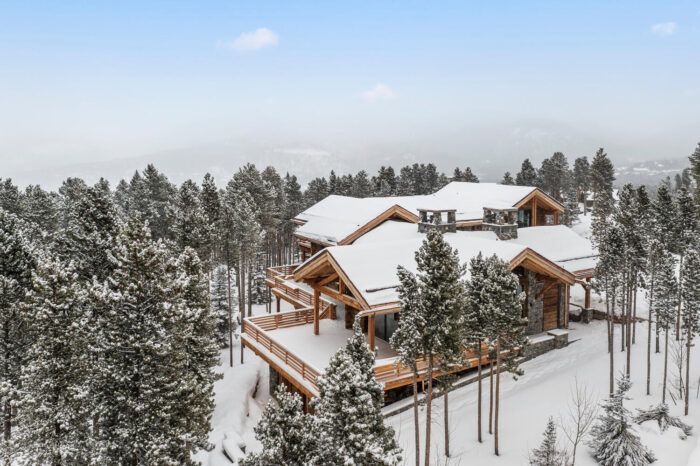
(343, 298)
(328, 279)
(395, 210)
(326, 258)
(542, 197)
(551, 267)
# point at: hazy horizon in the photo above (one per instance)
(86, 86)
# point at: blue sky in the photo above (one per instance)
(89, 80)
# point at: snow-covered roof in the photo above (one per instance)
(371, 266)
(337, 217)
(370, 262)
(559, 244)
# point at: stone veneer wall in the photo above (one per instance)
(535, 307)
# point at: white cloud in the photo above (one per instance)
(664, 29)
(379, 92)
(254, 40)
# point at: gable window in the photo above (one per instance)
(524, 218)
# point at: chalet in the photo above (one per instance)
(352, 247)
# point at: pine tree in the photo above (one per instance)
(316, 191)
(582, 174)
(56, 407)
(527, 176)
(548, 453)
(686, 231)
(442, 297)
(554, 176)
(348, 425)
(17, 262)
(502, 308)
(666, 302)
(195, 355)
(407, 338)
(613, 442)
(507, 179)
(571, 209)
(40, 208)
(663, 418)
(362, 187)
(219, 305)
(159, 203)
(283, 431)
(10, 197)
(602, 174)
(656, 251)
(140, 309)
(695, 173)
(210, 201)
(468, 176)
(690, 291)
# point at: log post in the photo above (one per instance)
(317, 299)
(587, 301)
(534, 212)
(370, 332)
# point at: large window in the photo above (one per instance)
(524, 218)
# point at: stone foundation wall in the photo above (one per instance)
(535, 307)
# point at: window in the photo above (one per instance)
(524, 218)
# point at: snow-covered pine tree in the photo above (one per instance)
(548, 453)
(159, 202)
(687, 230)
(40, 208)
(613, 442)
(407, 339)
(17, 261)
(211, 207)
(690, 290)
(527, 176)
(55, 419)
(504, 329)
(508, 179)
(607, 279)
(189, 222)
(348, 424)
(626, 216)
(91, 225)
(582, 175)
(665, 213)
(219, 306)
(138, 372)
(442, 297)
(666, 301)
(695, 173)
(10, 197)
(655, 249)
(476, 320)
(284, 433)
(554, 176)
(196, 354)
(571, 209)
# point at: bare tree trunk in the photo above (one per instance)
(230, 313)
(629, 331)
(663, 396)
(498, 392)
(491, 398)
(623, 315)
(415, 417)
(657, 336)
(478, 416)
(687, 369)
(611, 341)
(651, 305)
(250, 288)
(428, 410)
(447, 425)
(634, 316)
(680, 297)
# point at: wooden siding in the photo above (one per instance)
(550, 309)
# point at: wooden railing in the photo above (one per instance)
(277, 277)
(255, 331)
(393, 374)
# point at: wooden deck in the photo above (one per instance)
(283, 287)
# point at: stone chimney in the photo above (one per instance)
(503, 222)
(444, 220)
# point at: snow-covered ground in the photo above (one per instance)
(526, 404)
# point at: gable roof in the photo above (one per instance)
(369, 268)
(343, 219)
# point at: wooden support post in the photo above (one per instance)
(556, 218)
(317, 300)
(370, 332)
(534, 211)
(278, 303)
(587, 300)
